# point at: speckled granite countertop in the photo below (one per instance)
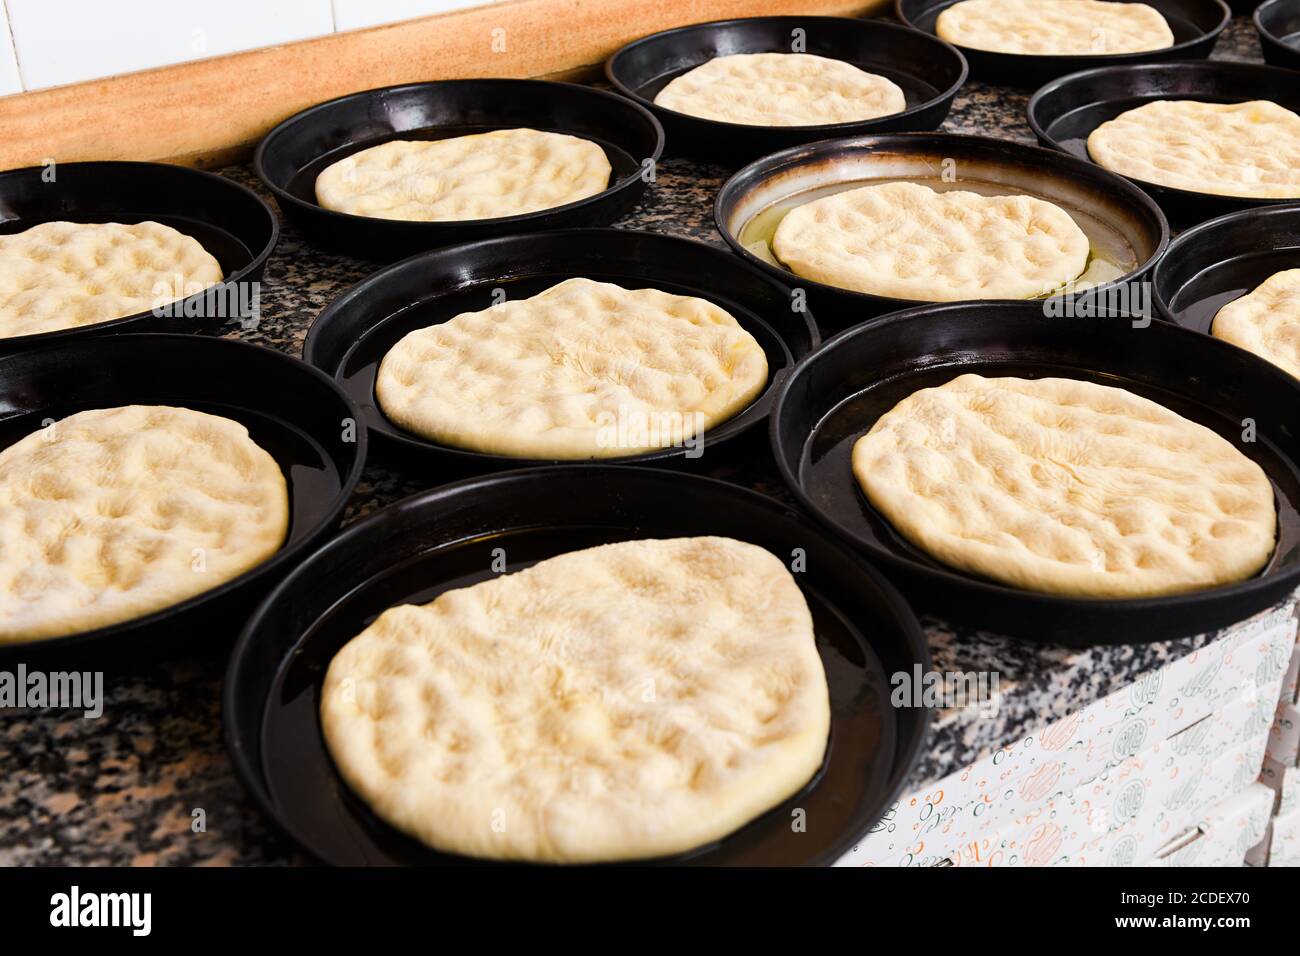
(122, 789)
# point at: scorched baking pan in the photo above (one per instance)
(1196, 25)
(1125, 227)
(1278, 24)
(229, 220)
(291, 156)
(290, 409)
(1063, 114)
(418, 548)
(836, 394)
(929, 72)
(351, 336)
(1210, 265)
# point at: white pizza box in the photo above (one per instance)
(1225, 835)
(970, 806)
(1285, 782)
(1281, 843)
(1063, 837)
(1291, 682)
(1133, 808)
(1284, 741)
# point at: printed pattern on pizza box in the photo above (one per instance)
(1285, 781)
(1284, 741)
(1064, 838)
(1228, 832)
(1134, 808)
(1291, 682)
(929, 826)
(1284, 841)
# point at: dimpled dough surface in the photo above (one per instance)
(101, 513)
(1266, 321)
(781, 89)
(569, 372)
(61, 275)
(507, 172)
(1054, 27)
(619, 702)
(908, 241)
(1067, 487)
(1225, 149)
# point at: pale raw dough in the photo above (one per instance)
(507, 172)
(112, 514)
(572, 372)
(908, 241)
(1251, 150)
(781, 89)
(621, 702)
(1266, 321)
(1054, 27)
(62, 275)
(1067, 487)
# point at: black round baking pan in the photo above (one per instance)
(230, 221)
(1278, 24)
(1218, 261)
(1126, 228)
(836, 394)
(293, 411)
(1196, 25)
(351, 336)
(1063, 113)
(291, 156)
(450, 537)
(927, 70)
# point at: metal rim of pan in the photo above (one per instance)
(360, 564)
(1186, 259)
(948, 145)
(1276, 51)
(90, 198)
(240, 368)
(1031, 69)
(1138, 81)
(615, 71)
(696, 268)
(1183, 369)
(411, 235)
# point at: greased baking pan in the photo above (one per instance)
(351, 336)
(836, 394)
(929, 72)
(414, 550)
(291, 156)
(229, 220)
(1064, 112)
(290, 409)
(1196, 25)
(1218, 261)
(1278, 24)
(1121, 221)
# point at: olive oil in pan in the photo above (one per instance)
(1109, 256)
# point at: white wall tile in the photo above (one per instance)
(10, 81)
(355, 14)
(66, 41)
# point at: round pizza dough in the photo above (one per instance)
(507, 172)
(1067, 487)
(621, 702)
(63, 275)
(1251, 150)
(1266, 321)
(1054, 27)
(112, 514)
(583, 370)
(908, 241)
(781, 89)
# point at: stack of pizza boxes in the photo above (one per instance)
(1163, 772)
(1281, 843)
